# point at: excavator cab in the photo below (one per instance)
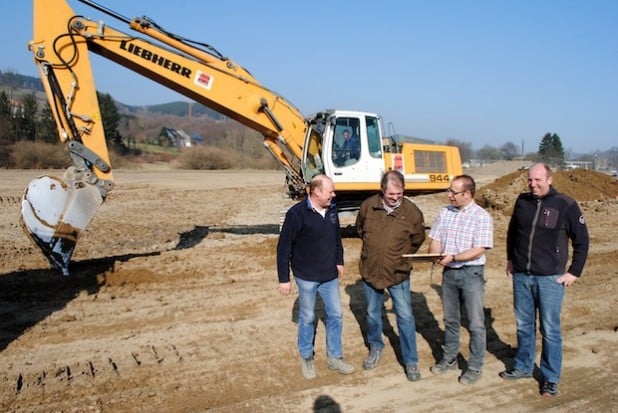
(352, 140)
(337, 145)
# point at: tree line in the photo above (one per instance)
(21, 120)
(550, 150)
(29, 138)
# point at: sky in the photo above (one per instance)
(486, 72)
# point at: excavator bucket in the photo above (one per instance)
(54, 212)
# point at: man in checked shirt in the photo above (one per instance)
(461, 233)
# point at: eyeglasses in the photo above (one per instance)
(452, 192)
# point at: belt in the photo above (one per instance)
(464, 267)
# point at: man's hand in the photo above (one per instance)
(284, 288)
(445, 259)
(340, 271)
(566, 279)
(509, 268)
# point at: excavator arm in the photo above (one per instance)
(56, 209)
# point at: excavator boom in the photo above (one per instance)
(56, 209)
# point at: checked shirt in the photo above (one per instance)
(458, 230)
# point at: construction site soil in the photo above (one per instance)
(172, 306)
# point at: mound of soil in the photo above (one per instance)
(581, 184)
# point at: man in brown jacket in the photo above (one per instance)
(390, 225)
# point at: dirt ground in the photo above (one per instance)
(172, 307)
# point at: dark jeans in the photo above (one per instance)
(464, 286)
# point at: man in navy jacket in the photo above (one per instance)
(310, 244)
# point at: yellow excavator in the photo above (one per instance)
(348, 146)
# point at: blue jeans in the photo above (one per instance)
(307, 295)
(464, 286)
(402, 303)
(542, 293)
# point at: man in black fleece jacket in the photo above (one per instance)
(542, 224)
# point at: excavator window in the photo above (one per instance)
(313, 164)
(374, 141)
(346, 142)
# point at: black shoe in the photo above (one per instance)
(412, 372)
(514, 374)
(550, 389)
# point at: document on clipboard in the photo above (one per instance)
(423, 257)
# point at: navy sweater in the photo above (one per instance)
(309, 244)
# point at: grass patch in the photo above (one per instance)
(37, 155)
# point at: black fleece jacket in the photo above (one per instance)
(539, 232)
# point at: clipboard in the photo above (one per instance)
(423, 257)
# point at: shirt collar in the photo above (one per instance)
(390, 209)
(464, 208)
(310, 205)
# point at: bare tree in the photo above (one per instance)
(509, 151)
(465, 148)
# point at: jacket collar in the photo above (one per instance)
(552, 192)
(309, 205)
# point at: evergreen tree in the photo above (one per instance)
(46, 129)
(111, 118)
(29, 120)
(551, 151)
(5, 119)
(23, 118)
(5, 105)
(163, 139)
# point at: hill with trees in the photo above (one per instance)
(28, 136)
(140, 133)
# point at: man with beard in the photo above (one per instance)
(390, 226)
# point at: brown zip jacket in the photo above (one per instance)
(386, 237)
